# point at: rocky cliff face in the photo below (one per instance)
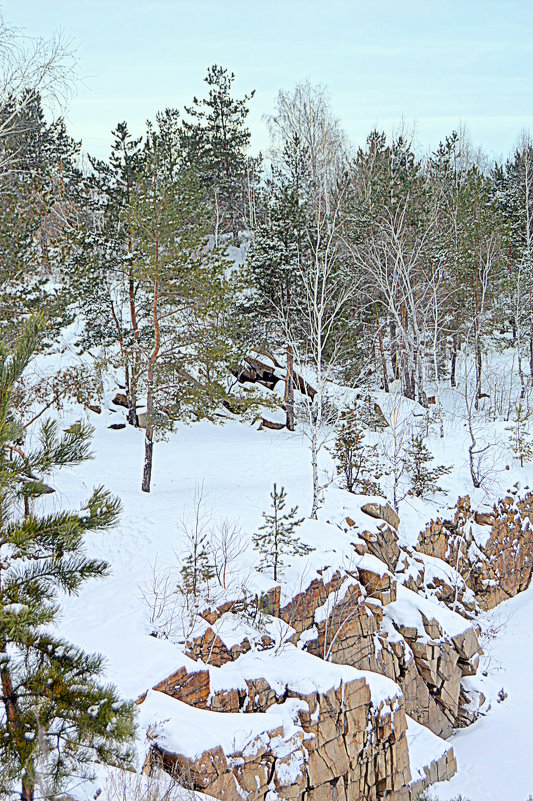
(348, 741)
(493, 551)
(336, 684)
(360, 623)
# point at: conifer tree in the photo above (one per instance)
(481, 262)
(101, 275)
(273, 266)
(513, 183)
(183, 284)
(423, 478)
(278, 539)
(215, 142)
(520, 440)
(38, 177)
(189, 336)
(357, 463)
(57, 715)
(197, 569)
(274, 261)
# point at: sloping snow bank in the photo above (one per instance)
(495, 754)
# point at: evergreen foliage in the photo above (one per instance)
(58, 716)
(38, 176)
(422, 477)
(215, 141)
(101, 266)
(275, 539)
(189, 338)
(357, 463)
(274, 264)
(520, 439)
(197, 569)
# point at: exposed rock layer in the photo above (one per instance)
(342, 745)
(493, 551)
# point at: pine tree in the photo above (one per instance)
(474, 237)
(273, 266)
(177, 276)
(103, 285)
(278, 539)
(513, 184)
(197, 569)
(58, 717)
(423, 478)
(357, 463)
(189, 336)
(521, 443)
(215, 142)
(38, 176)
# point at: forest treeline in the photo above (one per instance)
(182, 252)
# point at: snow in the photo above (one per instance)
(189, 731)
(236, 465)
(135, 661)
(409, 607)
(495, 754)
(302, 673)
(112, 784)
(424, 748)
(333, 547)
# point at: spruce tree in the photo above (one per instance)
(57, 715)
(278, 539)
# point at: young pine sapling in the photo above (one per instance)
(520, 441)
(423, 478)
(276, 538)
(357, 463)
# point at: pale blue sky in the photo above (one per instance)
(434, 63)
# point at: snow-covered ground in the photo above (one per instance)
(495, 754)
(235, 465)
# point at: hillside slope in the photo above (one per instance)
(495, 755)
(235, 466)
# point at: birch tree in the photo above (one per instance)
(314, 328)
(304, 126)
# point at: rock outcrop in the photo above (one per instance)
(358, 619)
(346, 738)
(333, 680)
(493, 552)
